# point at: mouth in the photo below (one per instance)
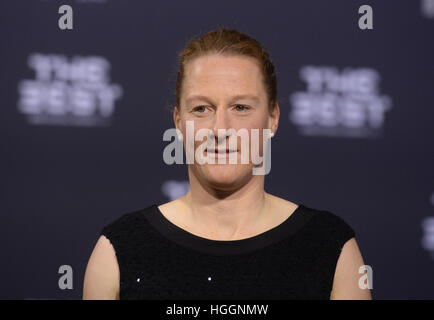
(220, 151)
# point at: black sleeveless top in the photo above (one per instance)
(294, 260)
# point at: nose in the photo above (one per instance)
(221, 121)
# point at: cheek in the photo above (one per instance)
(200, 131)
(259, 124)
(256, 136)
(258, 120)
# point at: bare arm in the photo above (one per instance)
(101, 279)
(346, 279)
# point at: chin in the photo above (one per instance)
(224, 174)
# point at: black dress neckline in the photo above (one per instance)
(184, 238)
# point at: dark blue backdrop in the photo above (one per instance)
(83, 113)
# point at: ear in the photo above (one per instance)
(177, 118)
(273, 123)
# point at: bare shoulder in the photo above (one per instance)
(348, 283)
(101, 279)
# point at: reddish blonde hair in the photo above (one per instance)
(228, 42)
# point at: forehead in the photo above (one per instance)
(222, 72)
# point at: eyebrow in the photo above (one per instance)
(234, 98)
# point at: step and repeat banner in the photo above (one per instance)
(86, 91)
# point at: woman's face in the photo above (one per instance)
(224, 92)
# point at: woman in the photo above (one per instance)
(227, 237)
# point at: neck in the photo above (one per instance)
(227, 214)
